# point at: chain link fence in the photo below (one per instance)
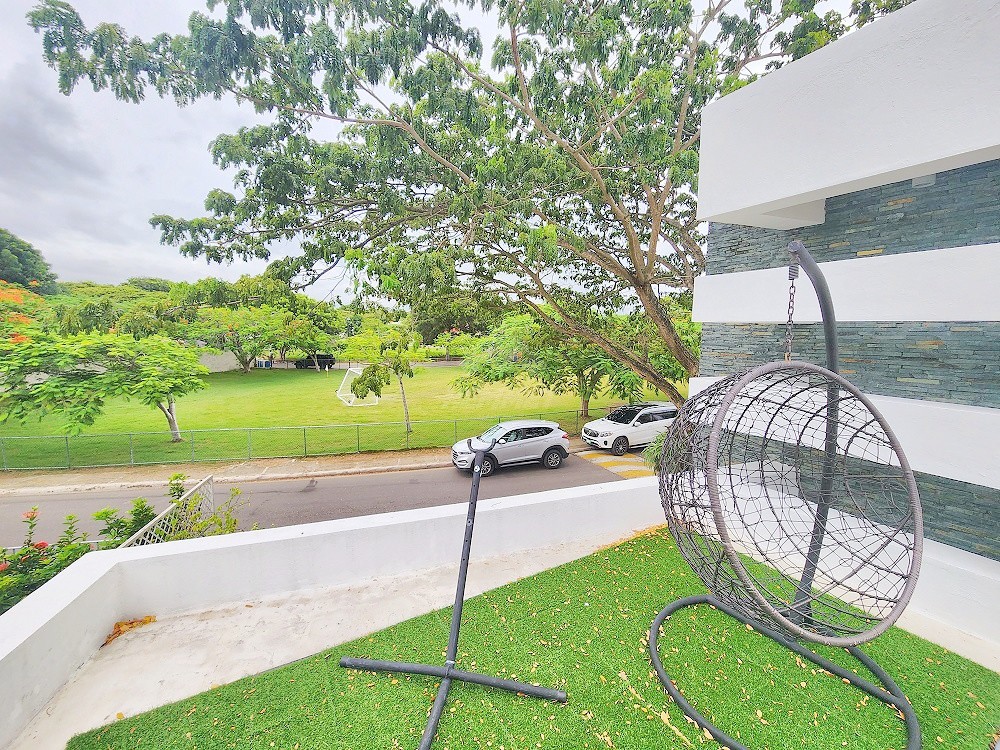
(142, 448)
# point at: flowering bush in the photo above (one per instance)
(33, 563)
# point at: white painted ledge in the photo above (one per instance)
(950, 284)
(876, 107)
(948, 440)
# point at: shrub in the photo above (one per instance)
(33, 563)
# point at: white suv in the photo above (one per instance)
(629, 426)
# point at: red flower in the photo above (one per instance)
(41, 545)
(4, 566)
(30, 514)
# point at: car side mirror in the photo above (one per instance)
(501, 441)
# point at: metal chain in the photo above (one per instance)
(793, 273)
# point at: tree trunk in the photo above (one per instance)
(315, 360)
(406, 408)
(584, 406)
(170, 412)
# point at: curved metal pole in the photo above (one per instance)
(890, 694)
(801, 608)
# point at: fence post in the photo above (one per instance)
(456, 431)
(69, 464)
(305, 444)
(406, 428)
(358, 427)
(249, 444)
(131, 451)
(192, 446)
(3, 453)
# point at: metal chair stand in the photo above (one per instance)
(890, 694)
(448, 673)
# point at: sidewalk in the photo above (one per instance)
(123, 477)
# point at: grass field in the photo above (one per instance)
(227, 420)
(582, 627)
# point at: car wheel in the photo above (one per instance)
(552, 458)
(489, 466)
(620, 446)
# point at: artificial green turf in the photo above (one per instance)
(582, 627)
(129, 432)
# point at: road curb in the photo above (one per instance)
(241, 479)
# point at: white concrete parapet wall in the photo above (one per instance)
(56, 629)
(48, 636)
(878, 106)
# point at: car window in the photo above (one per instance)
(624, 414)
(513, 436)
(646, 419)
(542, 431)
(491, 433)
(664, 415)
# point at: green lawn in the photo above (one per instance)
(581, 627)
(129, 432)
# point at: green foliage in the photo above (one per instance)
(390, 351)
(866, 11)
(35, 562)
(439, 311)
(117, 528)
(25, 569)
(74, 376)
(246, 332)
(652, 454)
(83, 307)
(524, 352)
(559, 173)
(22, 264)
(150, 283)
(218, 520)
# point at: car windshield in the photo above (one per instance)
(624, 414)
(491, 433)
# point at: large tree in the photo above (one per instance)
(21, 263)
(75, 375)
(523, 353)
(246, 332)
(560, 172)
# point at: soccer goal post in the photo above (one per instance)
(345, 394)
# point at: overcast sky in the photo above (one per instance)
(81, 175)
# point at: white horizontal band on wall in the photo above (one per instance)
(950, 284)
(947, 440)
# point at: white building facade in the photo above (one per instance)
(881, 153)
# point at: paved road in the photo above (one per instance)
(286, 502)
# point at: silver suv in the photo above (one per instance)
(522, 441)
(629, 426)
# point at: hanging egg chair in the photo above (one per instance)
(790, 497)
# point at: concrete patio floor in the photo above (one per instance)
(178, 657)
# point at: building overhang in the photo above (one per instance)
(859, 113)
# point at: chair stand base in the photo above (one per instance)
(889, 693)
(448, 673)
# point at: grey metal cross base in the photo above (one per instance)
(890, 694)
(448, 673)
